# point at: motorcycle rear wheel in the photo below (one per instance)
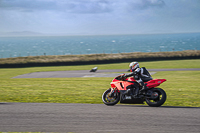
(158, 97)
(107, 100)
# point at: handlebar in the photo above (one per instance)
(120, 77)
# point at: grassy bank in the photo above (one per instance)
(182, 87)
(96, 58)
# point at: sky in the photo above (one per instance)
(100, 17)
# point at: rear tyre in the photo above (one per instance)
(110, 100)
(158, 97)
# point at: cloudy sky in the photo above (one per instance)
(100, 16)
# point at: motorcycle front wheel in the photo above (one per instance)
(110, 99)
(157, 98)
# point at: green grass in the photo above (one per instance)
(182, 86)
(59, 90)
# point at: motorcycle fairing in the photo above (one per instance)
(122, 85)
(154, 82)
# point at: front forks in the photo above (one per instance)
(112, 92)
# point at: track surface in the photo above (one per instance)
(86, 73)
(97, 118)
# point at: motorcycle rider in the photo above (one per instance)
(141, 75)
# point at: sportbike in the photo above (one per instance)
(154, 96)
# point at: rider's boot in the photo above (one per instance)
(139, 92)
(144, 88)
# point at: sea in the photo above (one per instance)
(76, 45)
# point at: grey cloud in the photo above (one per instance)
(23, 4)
(78, 6)
(146, 4)
(71, 6)
(100, 6)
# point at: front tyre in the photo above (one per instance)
(157, 98)
(110, 99)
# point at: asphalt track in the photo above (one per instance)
(97, 118)
(86, 73)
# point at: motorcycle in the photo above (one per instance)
(154, 96)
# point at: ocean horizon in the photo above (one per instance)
(23, 46)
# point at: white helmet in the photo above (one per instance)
(133, 66)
